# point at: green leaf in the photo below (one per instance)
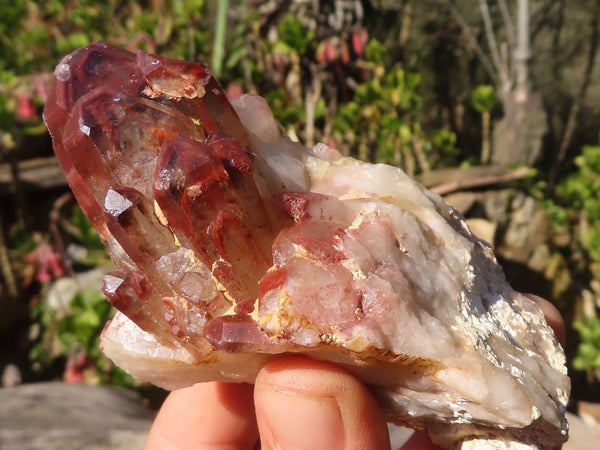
(87, 234)
(405, 133)
(483, 98)
(72, 42)
(588, 352)
(374, 51)
(294, 34)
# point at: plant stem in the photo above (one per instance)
(6, 267)
(219, 41)
(485, 137)
(508, 24)
(501, 70)
(523, 51)
(420, 153)
(406, 21)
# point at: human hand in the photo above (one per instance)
(296, 403)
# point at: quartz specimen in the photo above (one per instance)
(234, 244)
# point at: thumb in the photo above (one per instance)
(306, 404)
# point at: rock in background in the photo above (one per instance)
(62, 416)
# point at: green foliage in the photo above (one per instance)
(88, 312)
(559, 216)
(442, 148)
(374, 51)
(383, 116)
(35, 35)
(88, 238)
(65, 334)
(290, 114)
(483, 98)
(293, 36)
(69, 330)
(588, 352)
(580, 191)
(577, 210)
(237, 52)
(581, 188)
(22, 241)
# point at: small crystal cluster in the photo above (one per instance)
(234, 244)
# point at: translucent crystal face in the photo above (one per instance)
(234, 244)
(160, 162)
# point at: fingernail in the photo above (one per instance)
(297, 420)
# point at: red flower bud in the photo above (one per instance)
(26, 109)
(359, 39)
(234, 90)
(345, 54)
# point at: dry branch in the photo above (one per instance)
(446, 181)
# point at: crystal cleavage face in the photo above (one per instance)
(234, 244)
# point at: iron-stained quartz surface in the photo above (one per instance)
(234, 244)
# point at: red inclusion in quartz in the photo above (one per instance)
(158, 159)
(235, 333)
(163, 168)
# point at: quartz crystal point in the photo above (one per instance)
(234, 245)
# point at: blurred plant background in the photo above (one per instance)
(493, 104)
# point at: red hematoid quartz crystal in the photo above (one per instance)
(162, 167)
(232, 246)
